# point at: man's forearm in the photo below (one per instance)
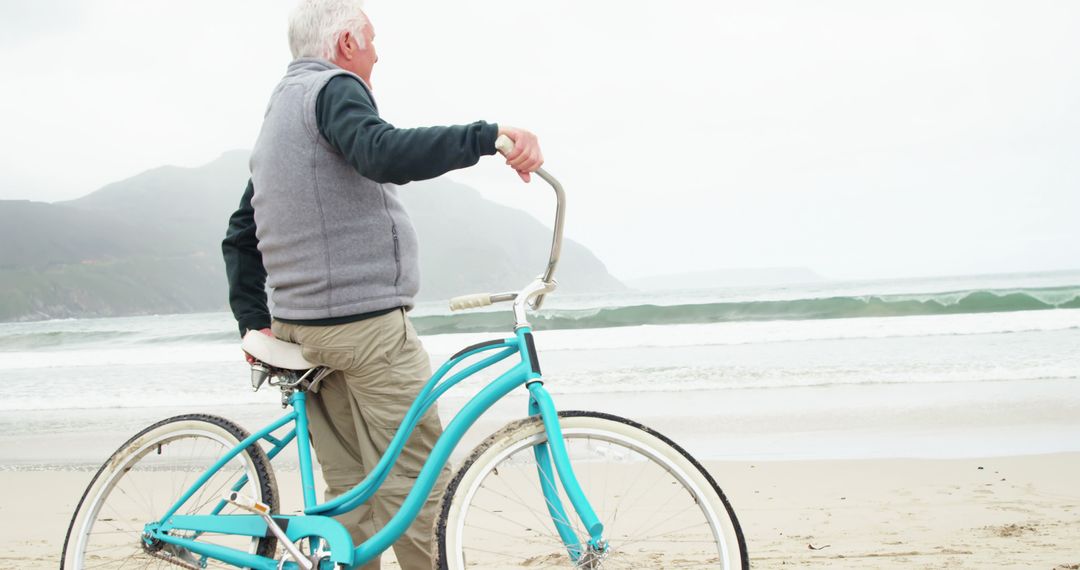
(384, 153)
(244, 268)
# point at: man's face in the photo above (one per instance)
(367, 57)
(359, 60)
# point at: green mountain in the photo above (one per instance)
(151, 245)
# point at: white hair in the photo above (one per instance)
(316, 26)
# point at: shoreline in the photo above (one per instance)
(799, 423)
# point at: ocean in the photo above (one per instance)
(1002, 347)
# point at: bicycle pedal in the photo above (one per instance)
(263, 510)
(247, 503)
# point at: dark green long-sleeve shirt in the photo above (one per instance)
(348, 119)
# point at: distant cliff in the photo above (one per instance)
(151, 245)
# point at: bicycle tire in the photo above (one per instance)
(143, 459)
(516, 530)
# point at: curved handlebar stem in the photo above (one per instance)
(557, 234)
(532, 296)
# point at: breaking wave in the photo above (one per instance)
(949, 303)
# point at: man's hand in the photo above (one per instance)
(526, 156)
(251, 359)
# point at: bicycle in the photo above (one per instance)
(505, 507)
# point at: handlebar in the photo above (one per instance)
(533, 294)
(479, 300)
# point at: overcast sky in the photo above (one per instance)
(856, 138)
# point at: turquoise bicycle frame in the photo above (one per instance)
(316, 522)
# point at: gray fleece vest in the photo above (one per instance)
(333, 242)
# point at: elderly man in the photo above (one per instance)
(321, 224)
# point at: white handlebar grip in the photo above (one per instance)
(504, 145)
(470, 301)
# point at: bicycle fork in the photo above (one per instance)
(555, 450)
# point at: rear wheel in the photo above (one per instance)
(143, 478)
(660, 508)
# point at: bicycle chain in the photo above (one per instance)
(173, 560)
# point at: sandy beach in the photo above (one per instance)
(1004, 512)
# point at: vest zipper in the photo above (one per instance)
(393, 231)
(397, 255)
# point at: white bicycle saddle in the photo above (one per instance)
(276, 353)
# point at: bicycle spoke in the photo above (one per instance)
(216, 495)
(536, 516)
(532, 511)
(666, 501)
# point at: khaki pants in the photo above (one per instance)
(380, 368)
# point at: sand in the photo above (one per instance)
(1010, 512)
(1002, 512)
(773, 454)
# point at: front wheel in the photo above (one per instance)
(151, 471)
(660, 508)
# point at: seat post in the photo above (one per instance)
(298, 399)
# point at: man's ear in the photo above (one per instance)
(346, 44)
